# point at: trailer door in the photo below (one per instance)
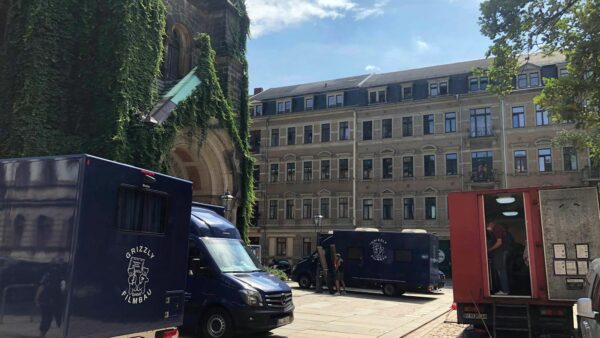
(571, 232)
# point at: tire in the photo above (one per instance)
(304, 281)
(216, 323)
(389, 290)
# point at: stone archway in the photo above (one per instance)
(213, 167)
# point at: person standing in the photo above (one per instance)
(338, 265)
(499, 253)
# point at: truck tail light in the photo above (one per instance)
(453, 307)
(173, 333)
(552, 312)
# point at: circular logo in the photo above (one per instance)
(138, 279)
(378, 247)
(441, 256)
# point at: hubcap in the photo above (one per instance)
(389, 289)
(216, 326)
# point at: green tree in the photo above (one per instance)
(571, 27)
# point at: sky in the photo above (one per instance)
(300, 41)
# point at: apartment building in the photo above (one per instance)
(384, 150)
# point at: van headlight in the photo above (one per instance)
(251, 297)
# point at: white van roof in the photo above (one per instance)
(414, 231)
(367, 229)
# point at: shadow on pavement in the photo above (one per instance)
(414, 298)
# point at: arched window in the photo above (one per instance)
(23, 174)
(18, 229)
(173, 51)
(44, 231)
(178, 52)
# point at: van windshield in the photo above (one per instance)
(231, 256)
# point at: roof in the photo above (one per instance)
(375, 80)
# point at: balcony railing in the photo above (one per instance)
(481, 132)
(487, 176)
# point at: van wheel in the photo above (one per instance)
(216, 323)
(389, 290)
(304, 282)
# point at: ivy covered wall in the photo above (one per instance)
(77, 75)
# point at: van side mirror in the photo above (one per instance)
(584, 308)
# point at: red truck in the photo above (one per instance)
(548, 237)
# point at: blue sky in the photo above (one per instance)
(299, 41)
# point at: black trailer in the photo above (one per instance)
(391, 261)
(91, 248)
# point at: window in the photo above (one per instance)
(518, 117)
(138, 210)
(429, 165)
(325, 169)
(483, 82)
(309, 103)
(481, 122)
(386, 128)
(307, 209)
(325, 207)
(433, 89)
(291, 136)
(541, 116)
(281, 246)
(388, 208)
(473, 84)
(335, 100)
(482, 165)
(409, 208)
(308, 134)
(273, 209)
(355, 253)
(325, 132)
(284, 106)
(291, 172)
(570, 158)
(545, 159)
(274, 137)
(438, 88)
(367, 209)
(407, 93)
(444, 88)
(407, 166)
(343, 207)
(367, 169)
(450, 125)
(520, 161)
(407, 126)
(430, 208)
(534, 79)
(255, 141)
(428, 124)
(258, 110)
(387, 168)
(307, 171)
(522, 81)
(451, 164)
(306, 247)
(344, 131)
(343, 168)
(377, 96)
(367, 130)
(274, 172)
(289, 209)
(256, 173)
(563, 72)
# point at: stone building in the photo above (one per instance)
(384, 150)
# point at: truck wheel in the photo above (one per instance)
(389, 290)
(304, 282)
(216, 323)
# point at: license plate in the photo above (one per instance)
(283, 321)
(474, 316)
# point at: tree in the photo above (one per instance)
(570, 27)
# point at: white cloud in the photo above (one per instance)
(275, 15)
(422, 46)
(372, 69)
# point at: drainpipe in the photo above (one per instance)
(462, 161)
(354, 141)
(266, 201)
(504, 159)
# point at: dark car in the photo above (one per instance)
(281, 265)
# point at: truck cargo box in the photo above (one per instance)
(90, 248)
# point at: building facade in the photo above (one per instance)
(383, 151)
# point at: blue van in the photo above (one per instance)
(227, 289)
(394, 262)
(91, 248)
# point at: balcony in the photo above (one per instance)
(483, 179)
(480, 132)
(591, 174)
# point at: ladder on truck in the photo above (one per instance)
(511, 318)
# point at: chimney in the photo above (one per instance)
(258, 90)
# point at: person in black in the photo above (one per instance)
(49, 299)
(338, 265)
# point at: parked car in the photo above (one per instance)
(282, 265)
(588, 309)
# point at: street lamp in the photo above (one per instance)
(318, 287)
(317, 219)
(226, 198)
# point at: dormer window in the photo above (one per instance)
(284, 106)
(522, 81)
(407, 93)
(377, 96)
(438, 87)
(534, 79)
(478, 83)
(309, 103)
(530, 79)
(257, 110)
(335, 100)
(563, 72)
